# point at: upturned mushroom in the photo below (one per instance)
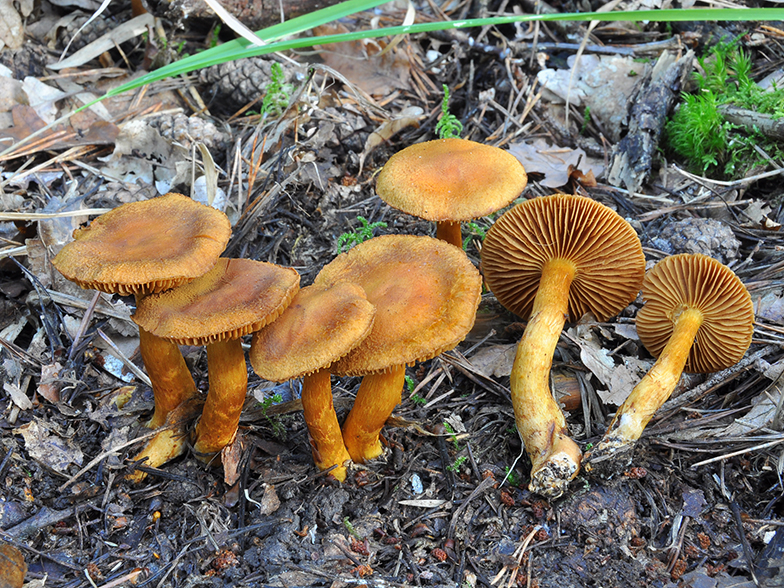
(142, 248)
(321, 325)
(698, 317)
(449, 181)
(547, 259)
(426, 293)
(235, 298)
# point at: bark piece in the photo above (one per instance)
(632, 157)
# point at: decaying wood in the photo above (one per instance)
(764, 123)
(255, 14)
(632, 157)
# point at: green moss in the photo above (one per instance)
(698, 133)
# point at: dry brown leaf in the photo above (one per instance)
(364, 64)
(48, 448)
(50, 383)
(556, 163)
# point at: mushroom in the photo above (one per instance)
(698, 317)
(546, 259)
(426, 293)
(321, 325)
(235, 298)
(142, 248)
(449, 181)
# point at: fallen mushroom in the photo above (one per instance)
(426, 293)
(449, 181)
(698, 317)
(321, 325)
(546, 259)
(142, 248)
(235, 298)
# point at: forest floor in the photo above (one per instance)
(447, 505)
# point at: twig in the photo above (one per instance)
(101, 456)
(126, 362)
(739, 452)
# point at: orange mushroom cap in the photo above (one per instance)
(605, 249)
(700, 282)
(451, 180)
(425, 291)
(235, 298)
(321, 325)
(145, 247)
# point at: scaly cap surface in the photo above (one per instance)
(236, 297)
(451, 180)
(321, 325)
(425, 291)
(145, 247)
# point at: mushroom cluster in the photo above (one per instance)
(347, 322)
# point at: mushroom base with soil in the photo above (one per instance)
(377, 397)
(555, 458)
(326, 442)
(647, 397)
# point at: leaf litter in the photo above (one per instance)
(292, 186)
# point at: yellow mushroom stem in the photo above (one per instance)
(655, 388)
(554, 456)
(228, 386)
(171, 381)
(326, 440)
(170, 441)
(377, 397)
(450, 232)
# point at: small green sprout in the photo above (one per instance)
(586, 120)
(512, 476)
(448, 126)
(215, 36)
(410, 384)
(453, 435)
(278, 93)
(474, 230)
(277, 427)
(351, 530)
(459, 461)
(417, 399)
(359, 235)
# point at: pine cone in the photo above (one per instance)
(186, 129)
(97, 28)
(29, 60)
(237, 83)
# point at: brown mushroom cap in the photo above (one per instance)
(145, 247)
(605, 249)
(451, 180)
(697, 281)
(425, 291)
(321, 325)
(236, 297)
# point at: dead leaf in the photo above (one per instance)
(12, 567)
(18, 397)
(556, 163)
(230, 458)
(48, 448)
(50, 384)
(619, 379)
(364, 63)
(494, 360)
(11, 26)
(770, 307)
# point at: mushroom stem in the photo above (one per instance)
(377, 397)
(172, 383)
(450, 232)
(228, 387)
(170, 441)
(554, 456)
(654, 389)
(326, 441)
